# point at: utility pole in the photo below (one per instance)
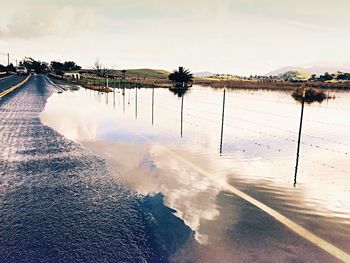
(8, 59)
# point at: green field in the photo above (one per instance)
(148, 73)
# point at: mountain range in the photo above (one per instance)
(318, 70)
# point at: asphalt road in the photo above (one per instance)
(10, 81)
(59, 204)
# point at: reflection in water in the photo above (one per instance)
(260, 130)
(147, 168)
(169, 233)
(180, 92)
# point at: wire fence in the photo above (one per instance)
(203, 114)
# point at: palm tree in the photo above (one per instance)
(181, 78)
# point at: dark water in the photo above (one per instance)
(145, 139)
(58, 203)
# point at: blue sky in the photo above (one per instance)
(229, 36)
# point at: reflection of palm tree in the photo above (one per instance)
(124, 73)
(181, 77)
(179, 91)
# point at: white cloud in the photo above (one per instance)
(33, 22)
(233, 36)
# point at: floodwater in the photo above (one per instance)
(156, 141)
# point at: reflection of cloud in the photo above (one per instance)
(189, 192)
(46, 22)
(73, 124)
(149, 170)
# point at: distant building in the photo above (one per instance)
(68, 75)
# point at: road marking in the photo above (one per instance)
(53, 84)
(7, 77)
(301, 231)
(4, 93)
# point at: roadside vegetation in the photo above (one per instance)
(286, 81)
(271, 84)
(5, 70)
(101, 76)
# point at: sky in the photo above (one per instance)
(227, 36)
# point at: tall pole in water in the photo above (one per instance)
(182, 112)
(123, 99)
(222, 120)
(152, 105)
(135, 102)
(299, 138)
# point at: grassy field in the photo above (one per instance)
(147, 73)
(133, 73)
(143, 77)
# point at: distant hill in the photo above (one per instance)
(310, 70)
(295, 75)
(203, 74)
(147, 72)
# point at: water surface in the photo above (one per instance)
(145, 134)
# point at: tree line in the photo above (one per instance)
(41, 67)
(327, 77)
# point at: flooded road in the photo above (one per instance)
(58, 203)
(158, 144)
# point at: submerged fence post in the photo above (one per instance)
(222, 120)
(299, 138)
(152, 105)
(182, 114)
(135, 103)
(124, 99)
